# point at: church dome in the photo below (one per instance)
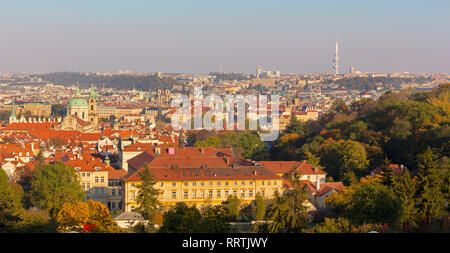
(77, 102)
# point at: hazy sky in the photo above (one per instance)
(200, 35)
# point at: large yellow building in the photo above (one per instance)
(199, 176)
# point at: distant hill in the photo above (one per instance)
(122, 82)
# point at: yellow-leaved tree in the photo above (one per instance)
(75, 216)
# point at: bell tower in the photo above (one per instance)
(93, 117)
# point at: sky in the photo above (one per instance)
(197, 36)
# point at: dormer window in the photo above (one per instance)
(77, 168)
(97, 168)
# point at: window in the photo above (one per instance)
(226, 183)
(161, 184)
(250, 183)
(119, 192)
(194, 183)
(210, 194)
(242, 194)
(218, 194)
(88, 185)
(110, 183)
(194, 194)
(262, 192)
(226, 193)
(113, 205)
(132, 208)
(185, 195)
(202, 207)
(262, 182)
(133, 184)
(174, 195)
(210, 183)
(274, 192)
(274, 182)
(96, 179)
(102, 179)
(202, 183)
(88, 174)
(96, 191)
(174, 184)
(113, 192)
(202, 194)
(133, 195)
(308, 177)
(235, 193)
(186, 183)
(268, 182)
(235, 182)
(243, 183)
(250, 193)
(218, 183)
(84, 186)
(83, 174)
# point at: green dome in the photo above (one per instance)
(77, 102)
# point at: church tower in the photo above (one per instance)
(93, 117)
(13, 117)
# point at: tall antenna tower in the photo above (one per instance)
(336, 59)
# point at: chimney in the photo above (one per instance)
(255, 173)
(317, 183)
(316, 170)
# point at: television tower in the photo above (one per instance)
(336, 59)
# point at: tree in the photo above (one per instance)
(339, 225)
(294, 126)
(232, 205)
(288, 213)
(147, 198)
(343, 160)
(181, 219)
(260, 207)
(215, 219)
(374, 202)
(53, 185)
(10, 203)
(73, 216)
(404, 187)
(429, 187)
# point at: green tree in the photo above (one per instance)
(342, 160)
(215, 219)
(374, 202)
(147, 198)
(430, 187)
(288, 213)
(260, 207)
(232, 204)
(339, 225)
(53, 185)
(182, 219)
(294, 126)
(404, 187)
(10, 204)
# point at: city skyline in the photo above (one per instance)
(200, 36)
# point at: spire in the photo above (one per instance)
(181, 139)
(92, 94)
(77, 90)
(13, 109)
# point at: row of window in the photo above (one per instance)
(201, 194)
(226, 183)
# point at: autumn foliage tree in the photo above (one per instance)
(73, 216)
